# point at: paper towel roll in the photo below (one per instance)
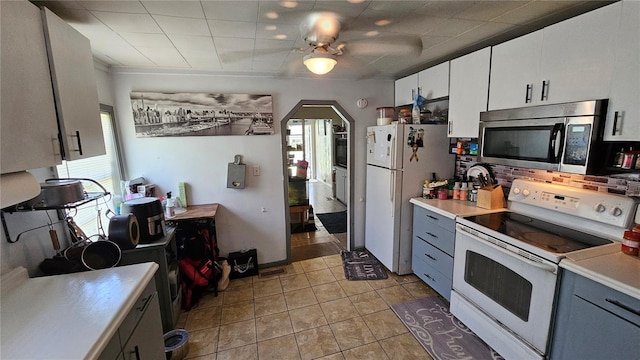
(124, 231)
(17, 187)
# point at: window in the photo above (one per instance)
(106, 170)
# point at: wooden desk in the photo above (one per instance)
(196, 212)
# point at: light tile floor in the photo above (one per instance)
(309, 312)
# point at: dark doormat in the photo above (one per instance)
(360, 265)
(442, 335)
(335, 222)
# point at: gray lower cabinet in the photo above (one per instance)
(140, 333)
(433, 245)
(594, 321)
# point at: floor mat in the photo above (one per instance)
(360, 265)
(335, 222)
(442, 335)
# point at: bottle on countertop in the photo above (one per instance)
(464, 191)
(456, 190)
(169, 211)
(617, 160)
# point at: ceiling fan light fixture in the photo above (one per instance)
(319, 64)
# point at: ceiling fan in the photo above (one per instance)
(320, 31)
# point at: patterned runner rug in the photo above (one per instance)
(440, 333)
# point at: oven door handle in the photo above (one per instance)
(541, 266)
(556, 142)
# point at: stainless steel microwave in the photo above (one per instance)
(562, 137)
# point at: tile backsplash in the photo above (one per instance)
(629, 185)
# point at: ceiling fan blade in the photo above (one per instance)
(360, 68)
(292, 65)
(385, 45)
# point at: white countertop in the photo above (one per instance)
(607, 265)
(452, 208)
(70, 316)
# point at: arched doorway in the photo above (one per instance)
(293, 183)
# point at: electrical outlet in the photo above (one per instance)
(256, 170)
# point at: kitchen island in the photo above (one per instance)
(80, 315)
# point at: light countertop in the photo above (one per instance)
(607, 265)
(452, 208)
(72, 316)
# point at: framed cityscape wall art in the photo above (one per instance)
(201, 114)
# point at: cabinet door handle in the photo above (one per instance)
(449, 130)
(545, 90)
(419, 90)
(429, 277)
(615, 123)
(432, 217)
(77, 135)
(430, 256)
(623, 306)
(137, 352)
(528, 93)
(413, 94)
(432, 235)
(144, 304)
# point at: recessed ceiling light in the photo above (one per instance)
(371, 33)
(280, 36)
(289, 4)
(271, 28)
(383, 22)
(355, 1)
(272, 15)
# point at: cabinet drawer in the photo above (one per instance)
(432, 277)
(420, 215)
(436, 236)
(136, 313)
(433, 256)
(611, 300)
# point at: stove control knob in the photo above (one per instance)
(599, 207)
(526, 192)
(516, 190)
(615, 211)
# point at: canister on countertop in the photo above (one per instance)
(631, 243)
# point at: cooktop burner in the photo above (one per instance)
(544, 235)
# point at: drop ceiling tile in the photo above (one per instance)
(487, 30)
(147, 40)
(182, 26)
(487, 10)
(134, 7)
(121, 22)
(189, 8)
(272, 11)
(237, 29)
(453, 27)
(202, 59)
(534, 10)
(398, 7)
(187, 43)
(164, 57)
(233, 44)
(270, 31)
(231, 10)
(444, 9)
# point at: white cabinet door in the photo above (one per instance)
(623, 114)
(514, 72)
(75, 89)
(578, 56)
(28, 116)
(469, 88)
(405, 89)
(433, 83)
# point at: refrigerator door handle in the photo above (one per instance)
(392, 182)
(392, 162)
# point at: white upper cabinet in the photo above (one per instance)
(514, 72)
(28, 117)
(433, 83)
(405, 89)
(623, 114)
(468, 91)
(75, 89)
(578, 56)
(569, 61)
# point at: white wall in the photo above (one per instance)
(202, 161)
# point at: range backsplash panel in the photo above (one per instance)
(506, 174)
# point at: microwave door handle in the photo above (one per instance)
(556, 141)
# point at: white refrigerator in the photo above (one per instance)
(400, 157)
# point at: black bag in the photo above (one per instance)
(243, 264)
